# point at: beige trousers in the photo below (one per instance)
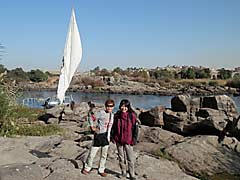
(126, 154)
(92, 154)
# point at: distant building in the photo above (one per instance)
(214, 73)
(237, 69)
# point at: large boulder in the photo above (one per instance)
(181, 103)
(195, 104)
(55, 111)
(233, 128)
(177, 122)
(205, 121)
(152, 139)
(219, 102)
(204, 115)
(204, 155)
(157, 135)
(78, 109)
(212, 118)
(151, 168)
(153, 117)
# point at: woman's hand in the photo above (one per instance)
(94, 129)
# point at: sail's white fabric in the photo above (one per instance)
(71, 59)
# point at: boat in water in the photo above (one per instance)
(33, 102)
(72, 56)
(54, 101)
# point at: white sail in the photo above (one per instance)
(71, 58)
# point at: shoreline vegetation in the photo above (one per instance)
(171, 80)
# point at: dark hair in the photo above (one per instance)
(109, 101)
(91, 105)
(127, 104)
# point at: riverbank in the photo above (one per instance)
(138, 101)
(139, 88)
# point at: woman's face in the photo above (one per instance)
(123, 108)
(109, 108)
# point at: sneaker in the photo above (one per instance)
(103, 174)
(85, 172)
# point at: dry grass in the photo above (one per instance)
(220, 82)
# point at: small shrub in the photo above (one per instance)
(93, 82)
(21, 112)
(213, 83)
(12, 128)
(167, 80)
(235, 83)
(4, 104)
(162, 153)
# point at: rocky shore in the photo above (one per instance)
(197, 138)
(125, 86)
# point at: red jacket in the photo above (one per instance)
(123, 127)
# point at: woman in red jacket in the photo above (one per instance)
(123, 134)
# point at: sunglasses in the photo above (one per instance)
(109, 105)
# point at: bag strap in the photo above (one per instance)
(110, 117)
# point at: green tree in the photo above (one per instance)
(235, 82)
(162, 74)
(203, 73)
(96, 70)
(17, 74)
(236, 76)
(49, 74)
(118, 70)
(188, 73)
(224, 74)
(104, 72)
(191, 73)
(2, 68)
(37, 76)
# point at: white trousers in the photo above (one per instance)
(92, 154)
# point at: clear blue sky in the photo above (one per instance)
(124, 33)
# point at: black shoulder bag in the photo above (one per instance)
(101, 139)
(135, 129)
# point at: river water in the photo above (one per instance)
(138, 101)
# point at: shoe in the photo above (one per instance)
(85, 172)
(103, 174)
(133, 178)
(121, 176)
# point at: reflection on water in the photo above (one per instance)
(140, 101)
